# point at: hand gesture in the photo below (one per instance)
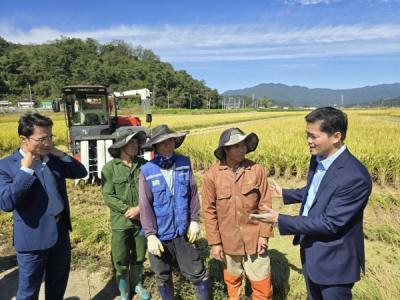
(154, 245)
(28, 160)
(217, 252)
(133, 213)
(262, 245)
(269, 216)
(275, 189)
(193, 232)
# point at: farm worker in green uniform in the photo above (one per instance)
(120, 192)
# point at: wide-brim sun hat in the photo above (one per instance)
(162, 133)
(122, 137)
(233, 136)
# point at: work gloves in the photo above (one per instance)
(193, 232)
(154, 245)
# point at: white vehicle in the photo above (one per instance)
(91, 117)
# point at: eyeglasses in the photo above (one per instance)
(43, 139)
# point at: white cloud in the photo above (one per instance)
(310, 2)
(240, 42)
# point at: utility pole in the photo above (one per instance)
(190, 100)
(154, 95)
(30, 91)
(167, 86)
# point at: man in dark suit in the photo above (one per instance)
(33, 187)
(329, 228)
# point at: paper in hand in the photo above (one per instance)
(267, 216)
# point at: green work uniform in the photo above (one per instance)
(120, 192)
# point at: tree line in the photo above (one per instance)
(46, 68)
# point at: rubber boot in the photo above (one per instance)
(202, 290)
(123, 286)
(166, 290)
(262, 289)
(234, 285)
(136, 276)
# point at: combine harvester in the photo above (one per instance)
(91, 115)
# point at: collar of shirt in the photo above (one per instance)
(44, 160)
(169, 175)
(120, 161)
(327, 162)
(244, 164)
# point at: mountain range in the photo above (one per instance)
(298, 96)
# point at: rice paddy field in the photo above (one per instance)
(373, 136)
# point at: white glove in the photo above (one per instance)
(154, 245)
(193, 232)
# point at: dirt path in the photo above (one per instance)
(82, 285)
(204, 130)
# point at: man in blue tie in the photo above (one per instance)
(329, 228)
(33, 187)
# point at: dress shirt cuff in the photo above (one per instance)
(27, 170)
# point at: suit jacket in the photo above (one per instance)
(332, 240)
(35, 227)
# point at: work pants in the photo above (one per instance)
(187, 257)
(128, 246)
(257, 269)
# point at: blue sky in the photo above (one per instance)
(232, 44)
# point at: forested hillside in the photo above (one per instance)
(298, 96)
(48, 67)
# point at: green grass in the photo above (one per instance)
(384, 200)
(384, 233)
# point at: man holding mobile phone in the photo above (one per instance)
(329, 228)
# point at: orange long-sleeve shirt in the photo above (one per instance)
(227, 202)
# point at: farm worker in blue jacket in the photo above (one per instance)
(169, 212)
(33, 187)
(120, 177)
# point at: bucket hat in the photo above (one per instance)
(233, 136)
(162, 133)
(122, 137)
